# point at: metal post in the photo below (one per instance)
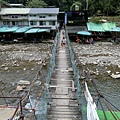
(4, 98)
(22, 117)
(86, 4)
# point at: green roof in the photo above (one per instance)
(37, 30)
(100, 27)
(83, 33)
(115, 29)
(108, 26)
(43, 30)
(12, 29)
(32, 30)
(3, 29)
(22, 29)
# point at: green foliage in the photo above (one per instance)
(96, 19)
(4, 2)
(36, 4)
(107, 7)
(98, 12)
(76, 4)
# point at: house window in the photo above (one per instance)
(13, 22)
(42, 16)
(16, 23)
(32, 15)
(50, 15)
(6, 23)
(51, 22)
(33, 23)
(24, 23)
(14, 16)
(42, 23)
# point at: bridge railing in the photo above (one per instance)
(79, 93)
(42, 106)
(46, 95)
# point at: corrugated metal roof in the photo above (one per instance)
(12, 29)
(23, 29)
(32, 30)
(44, 10)
(44, 30)
(5, 11)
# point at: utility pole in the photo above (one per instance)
(0, 5)
(86, 11)
(87, 5)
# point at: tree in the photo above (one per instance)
(3, 2)
(36, 4)
(78, 4)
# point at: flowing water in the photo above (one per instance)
(21, 62)
(99, 61)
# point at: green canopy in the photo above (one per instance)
(22, 29)
(32, 30)
(100, 27)
(3, 29)
(12, 29)
(108, 26)
(94, 27)
(83, 33)
(115, 29)
(43, 30)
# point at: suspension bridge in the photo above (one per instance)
(61, 96)
(63, 101)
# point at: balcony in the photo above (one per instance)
(16, 18)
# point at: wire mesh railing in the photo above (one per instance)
(79, 92)
(43, 104)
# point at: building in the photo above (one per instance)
(14, 17)
(44, 17)
(34, 17)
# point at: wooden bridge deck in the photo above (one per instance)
(63, 105)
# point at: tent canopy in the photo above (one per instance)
(12, 29)
(25, 29)
(22, 30)
(32, 30)
(43, 30)
(83, 33)
(37, 30)
(100, 27)
(115, 29)
(2, 29)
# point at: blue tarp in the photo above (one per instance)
(22, 29)
(3, 29)
(43, 30)
(25, 29)
(37, 30)
(32, 30)
(12, 29)
(115, 29)
(83, 33)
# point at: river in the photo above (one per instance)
(23, 61)
(100, 61)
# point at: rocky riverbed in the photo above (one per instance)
(100, 61)
(23, 61)
(101, 54)
(23, 69)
